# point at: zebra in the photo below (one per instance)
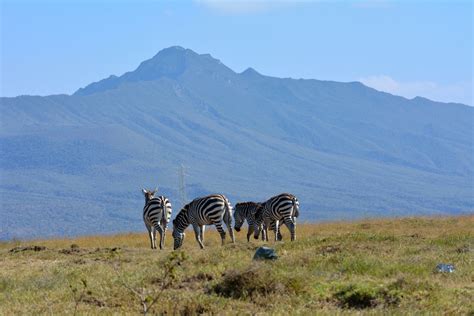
(209, 210)
(246, 211)
(282, 208)
(156, 215)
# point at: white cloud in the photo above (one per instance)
(246, 6)
(454, 92)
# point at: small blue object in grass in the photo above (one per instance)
(264, 253)
(443, 267)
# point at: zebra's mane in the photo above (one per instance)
(259, 211)
(182, 217)
(185, 209)
(246, 203)
(183, 212)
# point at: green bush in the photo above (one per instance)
(360, 296)
(259, 280)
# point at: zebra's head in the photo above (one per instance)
(239, 217)
(180, 223)
(178, 237)
(149, 194)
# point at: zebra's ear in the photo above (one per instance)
(144, 191)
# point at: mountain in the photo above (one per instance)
(75, 164)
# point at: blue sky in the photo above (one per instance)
(407, 48)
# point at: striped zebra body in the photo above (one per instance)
(209, 210)
(280, 209)
(156, 215)
(245, 211)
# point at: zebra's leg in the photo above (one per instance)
(150, 235)
(160, 230)
(201, 232)
(164, 225)
(228, 223)
(275, 227)
(197, 232)
(275, 230)
(279, 235)
(261, 229)
(291, 227)
(265, 230)
(164, 236)
(250, 232)
(154, 237)
(231, 232)
(257, 230)
(221, 231)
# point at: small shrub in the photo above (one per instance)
(256, 280)
(360, 296)
(355, 296)
(463, 249)
(192, 308)
(27, 248)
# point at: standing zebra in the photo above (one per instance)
(246, 211)
(156, 215)
(282, 208)
(209, 210)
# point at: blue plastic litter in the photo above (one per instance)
(445, 268)
(263, 253)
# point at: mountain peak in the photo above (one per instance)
(174, 48)
(250, 72)
(172, 62)
(172, 51)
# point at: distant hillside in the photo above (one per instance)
(75, 164)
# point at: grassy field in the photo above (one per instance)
(370, 266)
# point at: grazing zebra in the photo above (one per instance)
(209, 210)
(282, 208)
(246, 211)
(156, 215)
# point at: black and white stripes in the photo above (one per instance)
(245, 211)
(280, 208)
(215, 210)
(156, 215)
(209, 210)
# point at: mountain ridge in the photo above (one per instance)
(346, 150)
(249, 71)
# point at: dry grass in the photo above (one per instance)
(370, 266)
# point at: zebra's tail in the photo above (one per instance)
(228, 218)
(296, 209)
(228, 211)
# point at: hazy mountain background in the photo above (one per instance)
(75, 164)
